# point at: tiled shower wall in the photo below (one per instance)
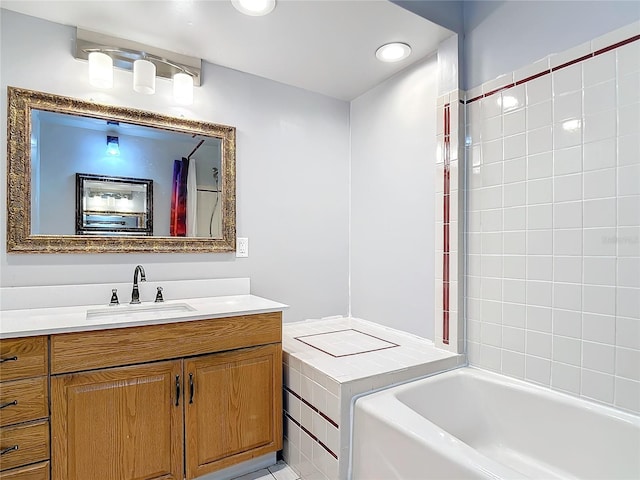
(554, 222)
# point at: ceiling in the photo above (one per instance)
(326, 46)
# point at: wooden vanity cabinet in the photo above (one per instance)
(24, 409)
(174, 401)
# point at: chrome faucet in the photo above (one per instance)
(135, 294)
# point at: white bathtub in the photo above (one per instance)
(469, 423)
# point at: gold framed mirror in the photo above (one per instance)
(53, 138)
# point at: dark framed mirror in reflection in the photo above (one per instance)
(189, 167)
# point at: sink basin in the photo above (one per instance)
(139, 312)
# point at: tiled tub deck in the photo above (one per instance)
(326, 363)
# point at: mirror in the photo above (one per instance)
(58, 147)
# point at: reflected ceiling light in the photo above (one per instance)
(393, 52)
(100, 70)
(104, 53)
(113, 146)
(571, 125)
(144, 77)
(508, 102)
(183, 88)
(254, 8)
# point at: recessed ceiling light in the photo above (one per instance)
(255, 8)
(393, 52)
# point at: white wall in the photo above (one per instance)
(502, 36)
(392, 203)
(554, 228)
(292, 176)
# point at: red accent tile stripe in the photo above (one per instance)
(313, 437)
(446, 216)
(312, 407)
(564, 65)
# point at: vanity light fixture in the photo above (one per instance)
(393, 52)
(254, 8)
(113, 146)
(105, 52)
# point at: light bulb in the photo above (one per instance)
(393, 52)
(183, 88)
(100, 70)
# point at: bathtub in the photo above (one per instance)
(470, 423)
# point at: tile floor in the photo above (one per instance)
(279, 471)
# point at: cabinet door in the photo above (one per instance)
(233, 407)
(118, 423)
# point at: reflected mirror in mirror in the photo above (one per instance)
(183, 168)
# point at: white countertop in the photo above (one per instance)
(54, 320)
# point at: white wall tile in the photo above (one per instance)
(492, 151)
(491, 334)
(540, 268)
(629, 180)
(599, 328)
(628, 57)
(514, 122)
(540, 166)
(628, 150)
(540, 191)
(600, 97)
(628, 332)
(513, 339)
(567, 269)
(539, 115)
(628, 91)
(600, 241)
(627, 240)
(599, 155)
(514, 266)
(598, 386)
(513, 98)
(567, 242)
(491, 174)
(599, 357)
(514, 291)
(567, 296)
(515, 194)
(514, 315)
(513, 364)
(490, 357)
(567, 215)
(567, 79)
(627, 394)
(567, 188)
(539, 318)
(515, 218)
(516, 145)
(628, 119)
(490, 107)
(539, 140)
(598, 299)
(599, 213)
(515, 170)
(628, 363)
(538, 344)
(568, 107)
(599, 69)
(492, 128)
(539, 90)
(601, 125)
(491, 243)
(628, 302)
(600, 184)
(540, 216)
(568, 160)
(567, 134)
(540, 242)
(565, 377)
(567, 323)
(539, 293)
(628, 272)
(537, 370)
(600, 271)
(629, 210)
(567, 350)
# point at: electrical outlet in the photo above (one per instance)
(242, 247)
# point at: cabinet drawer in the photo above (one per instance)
(23, 357)
(39, 471)
(31, 400)
(73, 352)
(28, 443)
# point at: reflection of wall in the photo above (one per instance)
(67, 150)
(293, 157)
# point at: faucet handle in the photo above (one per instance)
(159, 297)
(114, 298)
